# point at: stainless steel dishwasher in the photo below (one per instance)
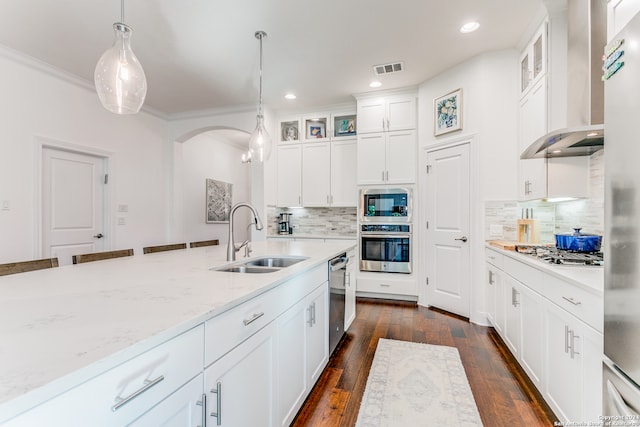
(337, 273)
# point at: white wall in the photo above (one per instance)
(35, 104)
(490, 117)
(208, 155)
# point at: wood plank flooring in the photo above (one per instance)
(502, 391)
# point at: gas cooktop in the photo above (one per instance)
(552, 255)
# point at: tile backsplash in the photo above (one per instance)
(316, 221)
(553, 218)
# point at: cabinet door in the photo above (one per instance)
(371, 159)
(182, 408)
(291, 360)
(512, 333)
(501, 302)
(350, 297)
(401, 157)
(563, 373)
(533, 114)
(289, 175)
(318, 333)
(240, 387)
(401, 113)
(532, 183)
(344, 190)
(317, 127)
(492, 277)
(316, 174)
(532, 351)
(371, 115)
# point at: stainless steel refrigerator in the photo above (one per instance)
(621, 375)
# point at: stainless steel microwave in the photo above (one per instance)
(385, 205)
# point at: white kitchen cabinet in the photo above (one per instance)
(495, 297)
(619, 13)
(513, 315)
(350, 290)
(560, 177)
(289, 175)
(344, 190)
(386, 283)
(316, 174)
(532, 349)
(241, 386)
(183, 408)
(302, 351)
(574, 365)
(289, 130)
(387, 158)
(387, 113)
(533, 60)
(317, 127)
(127, 391)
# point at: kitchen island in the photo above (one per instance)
(65, 326)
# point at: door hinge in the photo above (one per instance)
(106, 178)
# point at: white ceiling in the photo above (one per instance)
(202, 54)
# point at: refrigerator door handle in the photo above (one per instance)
(619, 402)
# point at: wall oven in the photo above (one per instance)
(385, 205)
(385, 248)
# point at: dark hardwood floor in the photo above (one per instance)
(502, 391)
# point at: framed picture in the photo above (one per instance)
(316, 130)
(289, 131)
(448, 113)
(344, 126)
(218, 201)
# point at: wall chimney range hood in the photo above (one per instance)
(584, 134)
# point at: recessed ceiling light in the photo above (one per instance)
(375, 83)
(290, 96)
(469, 27)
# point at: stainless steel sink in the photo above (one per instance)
(262, 265)
(247, 269)
(279, 262)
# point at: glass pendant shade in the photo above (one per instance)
(119, 77)
(260, 142)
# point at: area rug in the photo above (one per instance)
(412, 384)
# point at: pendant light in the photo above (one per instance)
(260, 141)
(119, 77)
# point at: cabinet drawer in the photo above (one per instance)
(532, 277)
(226, 331)
(584, 305)
(387, 285)
(123, 393)
(493, 257)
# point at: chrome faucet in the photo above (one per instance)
(232, 248)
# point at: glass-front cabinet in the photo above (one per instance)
(533, 60)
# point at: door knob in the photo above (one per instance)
(99, 236)
(463, 238)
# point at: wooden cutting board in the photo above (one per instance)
(506, 245)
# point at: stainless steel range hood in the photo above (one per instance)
(584, 134)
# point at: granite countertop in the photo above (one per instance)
(64, 325)
(588, 277)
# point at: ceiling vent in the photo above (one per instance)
(395, 67)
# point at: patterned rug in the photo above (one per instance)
(413, 384)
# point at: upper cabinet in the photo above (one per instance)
(533, 60)
(322, 127)
(387, 114)
(619, 13)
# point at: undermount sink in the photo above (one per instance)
(274, 262)
(262, 265)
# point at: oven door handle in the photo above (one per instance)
(386, 235)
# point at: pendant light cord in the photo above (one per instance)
(122, 11)
(260, 35)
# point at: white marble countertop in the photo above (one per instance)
(64, 325)
(590, 278)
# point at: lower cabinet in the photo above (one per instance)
(302, 351)
(556, 347)
(183, 408)
(350, 290)
(240, 387)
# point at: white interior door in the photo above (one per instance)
(72, 204)
(447, 239)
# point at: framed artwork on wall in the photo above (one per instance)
(218, 202)
(448, 113)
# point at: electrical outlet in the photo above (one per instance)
(123, 208)
(6, 206)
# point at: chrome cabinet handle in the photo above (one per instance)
(218, 392)
(463, 239)
(572, 348)
(491, 282)
(514, 297)
(203, 404)
(253, 318)
(566, 339)
(383, 175)
(310, 321)
(121, 401)
(572, 300)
